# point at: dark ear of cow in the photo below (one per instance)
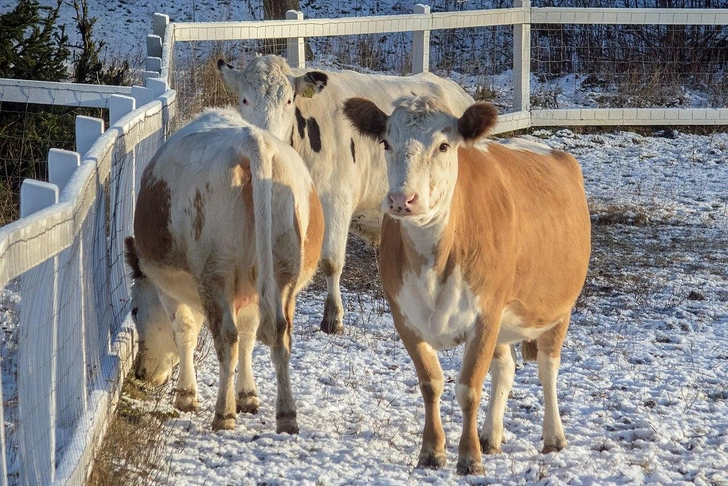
(477, 121)
(132, 259)
(311, 83)
(366, 117)
(221, 63)
(228, 74)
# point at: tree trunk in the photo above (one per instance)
(276, 10)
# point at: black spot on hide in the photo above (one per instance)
(314, 134)
(301, 122)
(353, 152)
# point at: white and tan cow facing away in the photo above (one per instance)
(228, 228)
(484, 244)
(304, 109)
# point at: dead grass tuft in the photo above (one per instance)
(134, 450)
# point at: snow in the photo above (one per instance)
(643, 387)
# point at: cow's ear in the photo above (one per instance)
(132, 259)
(366, 117)
(229, 75)
(310, 83)
(478, 120)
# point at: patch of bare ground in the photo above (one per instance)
(637, 252)
(360, 269)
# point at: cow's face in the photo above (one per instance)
(267, 91)
(420, 140)
(157, 350)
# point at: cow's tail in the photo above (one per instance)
(529, 350)
(272, 319)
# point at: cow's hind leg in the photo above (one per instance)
(246, 392)
(549, 360)
(502, 373)
(219, 312)
(333, 255)
(186, 326)
(281, 356)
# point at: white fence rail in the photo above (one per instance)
(63, 257)
(522, 16)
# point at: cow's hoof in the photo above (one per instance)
(489, 448)
(333, 321)
(223, 422)
(186, 401)
(286, 423)
(555, 447)
(469, 466)
(247, 403)
(333, 326)
(431, 459)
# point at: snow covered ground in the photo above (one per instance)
(643, 388)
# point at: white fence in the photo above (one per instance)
(73, 342)
(421, 22)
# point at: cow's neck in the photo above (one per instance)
(431, 240)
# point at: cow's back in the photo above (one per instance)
(533, 206)
(195, 205)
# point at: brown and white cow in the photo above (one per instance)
(228, 226)
(483, 243)
(304, 108)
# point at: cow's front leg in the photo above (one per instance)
(337, 215)
(502, 373)
(479, 350)
(219, 313)
(431, 380)
(246, 391)
(549, 360)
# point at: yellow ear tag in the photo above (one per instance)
(308, 92)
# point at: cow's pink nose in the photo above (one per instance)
(402, 202)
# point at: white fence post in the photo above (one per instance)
(421, 44)
(120, 105)
(61, 166)
(154, 46)
(142, 95)
(88, 129)
(159, 25)
(156, 84)
(71, 363)
(153, 64)
(522, 59)
(37, 352)
(296, 46)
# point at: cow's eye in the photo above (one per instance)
(245, 101)
(386, 144)
(289, 102)
(444, 147)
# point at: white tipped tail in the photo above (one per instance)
(272, 319)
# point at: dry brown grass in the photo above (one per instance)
(134, 450)
(9, 205)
